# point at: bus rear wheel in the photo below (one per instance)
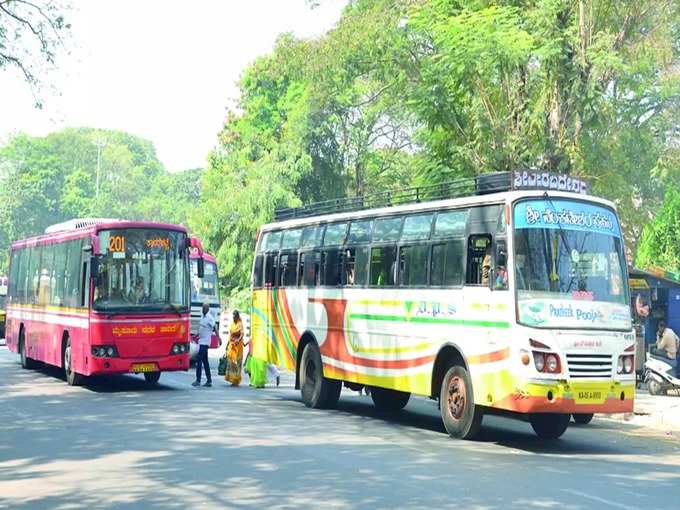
(549, 426)
(72, 377)
(462, 418)
(582, 418)
(317, 391)
(26, 362)
(152, 377)
(389, 400)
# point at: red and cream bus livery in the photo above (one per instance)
(102, 297)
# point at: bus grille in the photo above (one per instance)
(594, 366)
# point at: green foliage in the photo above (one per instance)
(660, 244)
(46, 180)
(413, 91)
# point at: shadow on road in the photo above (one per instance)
(116, 444)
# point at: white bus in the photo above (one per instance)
(510, 302)
(203, 290)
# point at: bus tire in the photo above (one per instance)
(26, 362)
(462, 418)
(582, 418)
(152, 377)
(548, 425)
(317, 391)
(72, 377)
(389, 400)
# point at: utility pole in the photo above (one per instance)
(100, 143)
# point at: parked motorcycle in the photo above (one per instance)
(660, 376)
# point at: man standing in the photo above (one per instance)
(205, 330)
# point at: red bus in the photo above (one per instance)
(100, 296)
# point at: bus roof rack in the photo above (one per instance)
(481, 185)
(77, 224)
(492, 182)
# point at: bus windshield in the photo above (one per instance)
(204, 290)
(569, 266)
(142, 270)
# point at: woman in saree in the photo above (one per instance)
(235, 351)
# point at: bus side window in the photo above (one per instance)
(447, 266)
(258, 271)
(331, 265)
(413, 265)
(355, 264)
(479, 260)
(288, 269)
(383, 266)
(310, 269)
(270, 269)
(500, 273)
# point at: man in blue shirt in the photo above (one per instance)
(205, 331)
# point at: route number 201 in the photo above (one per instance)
(117, 244)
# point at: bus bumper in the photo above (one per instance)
(609, 397)
(137, 365)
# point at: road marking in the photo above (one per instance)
(599, 499)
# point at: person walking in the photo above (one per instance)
(235, 350)
(205, 331)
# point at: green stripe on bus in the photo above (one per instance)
(430, 320)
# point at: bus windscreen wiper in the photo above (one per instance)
(560, 228)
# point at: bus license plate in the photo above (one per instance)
(143, 367)
(589, 396)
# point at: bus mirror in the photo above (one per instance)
(94, 267)
(200, 268)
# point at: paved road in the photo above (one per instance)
(119, 444)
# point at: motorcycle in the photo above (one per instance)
(660, 376)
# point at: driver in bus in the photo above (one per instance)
(138, 295)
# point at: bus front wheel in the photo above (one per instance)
(72, 377)
(317, 391)
(549, 426)
(462, 418)
(152, 377)
(389, 400)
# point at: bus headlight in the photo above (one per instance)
(628, 364)
(625, 365)
(539, 361)
(547, 362)
(104, 351)
(551, 363)
(179, 348)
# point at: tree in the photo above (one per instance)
(660, 244)
(30, 33)
(46, 180)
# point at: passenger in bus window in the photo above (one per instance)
(102, 287)
(486, 265)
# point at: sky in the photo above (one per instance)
(165, 70)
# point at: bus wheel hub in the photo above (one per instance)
(457, 396)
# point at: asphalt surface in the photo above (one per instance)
(117, 443)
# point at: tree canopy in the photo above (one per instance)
(406, 92)
(46, 180)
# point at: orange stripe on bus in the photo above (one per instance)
(489, 357)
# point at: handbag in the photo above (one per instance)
(222, 366)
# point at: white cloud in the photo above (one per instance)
(163, 70)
